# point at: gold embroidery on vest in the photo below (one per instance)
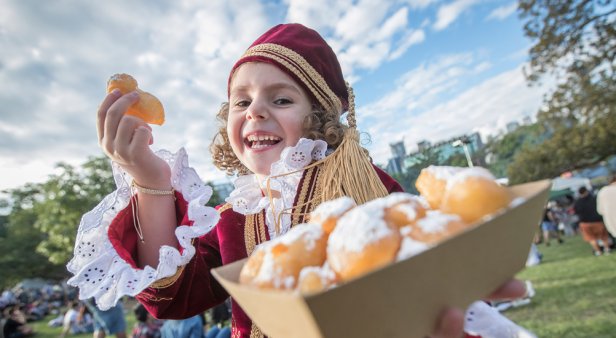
(255, 332)
(261, 226)
(249, 233)
(224, 208)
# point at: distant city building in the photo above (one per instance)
(398, 149)
(423, 145)
(398, 152)
(394, 165)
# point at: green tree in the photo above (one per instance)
(18, 244)
(64, 198)
(503, 150)
(575, 41)
(215, 200)
(42, 223)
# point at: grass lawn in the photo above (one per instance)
(575, 295)
(44, 331)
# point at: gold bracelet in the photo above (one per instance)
(152, 191)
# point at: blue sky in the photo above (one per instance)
(421, 69)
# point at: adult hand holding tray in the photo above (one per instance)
(403, 299)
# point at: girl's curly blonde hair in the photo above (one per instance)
(318, 125)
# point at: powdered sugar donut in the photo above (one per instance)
(361, 242)
(403, 211)
(432, 182)
(328, 213)
(277, 263)
(435, 227)
(473, 194)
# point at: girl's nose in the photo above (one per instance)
(257, 111)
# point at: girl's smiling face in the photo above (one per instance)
(267, 109)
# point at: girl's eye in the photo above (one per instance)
(242, 103)
(282, 101)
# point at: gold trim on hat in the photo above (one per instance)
(302, 69)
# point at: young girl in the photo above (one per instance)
(281, 132)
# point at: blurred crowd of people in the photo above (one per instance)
(19, 307)
(22, 305)
(591, 214)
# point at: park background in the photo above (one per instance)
(534, 81)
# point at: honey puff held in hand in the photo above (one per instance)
(473, 193)
(149, 108)
(276, 264)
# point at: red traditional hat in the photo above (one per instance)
(303, 54)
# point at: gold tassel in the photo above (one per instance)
(348, 171)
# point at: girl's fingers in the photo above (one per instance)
(113, 117)
(124, 135)
(512, 289)
(102, 112)
(451, 324)
(141, 138)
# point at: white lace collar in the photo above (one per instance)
(248, 196)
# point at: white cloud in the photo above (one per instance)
(364, 34)
(318, 14)
(503, 12)
(429, 105)
(447, 14)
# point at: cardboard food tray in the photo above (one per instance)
(403, 299)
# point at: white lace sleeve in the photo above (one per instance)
(98, 269)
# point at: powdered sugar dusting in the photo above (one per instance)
(410, 247)
(268, 268)
(306, 232)
(443, 172)
(409, 210)
(358, 228)
(466, 173)
(325, 273)
(436, 221)
(389, 201)
(333, 208)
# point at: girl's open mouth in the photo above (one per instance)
(261, 141)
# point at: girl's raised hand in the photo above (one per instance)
(126, 140)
